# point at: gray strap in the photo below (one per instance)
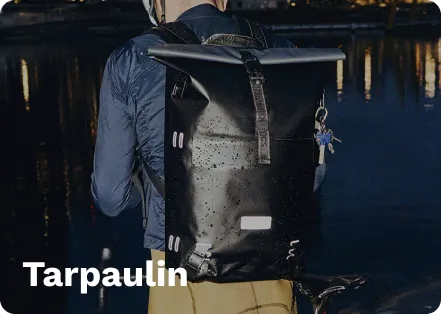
(257, 80)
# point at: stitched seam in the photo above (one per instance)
(193, 301)
(255, 297)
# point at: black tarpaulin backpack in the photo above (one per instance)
(239, 151)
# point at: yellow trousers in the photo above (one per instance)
(261, 297)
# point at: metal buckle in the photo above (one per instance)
(197, 259)
(202, 249)
(253, 66)
(257, 77)
(180, 86)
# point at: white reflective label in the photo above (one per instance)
(255, 222)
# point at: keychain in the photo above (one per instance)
(323, 136)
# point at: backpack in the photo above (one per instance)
(239, 151)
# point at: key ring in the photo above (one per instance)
(318, 111)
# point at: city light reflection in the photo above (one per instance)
(367, 74)
(25, 82)
(418, 63)
(340, 74)
(439, 64)
(430, 75)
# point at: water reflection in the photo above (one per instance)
(367, 74)
(51, 94)
(430, 72)
(340, 79)
(25, 82)
(411, 62)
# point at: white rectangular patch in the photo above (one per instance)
(255, 222)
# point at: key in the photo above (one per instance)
(333, 138)
(322, 155)
(317, 125)
(331, 148)
(336, 139)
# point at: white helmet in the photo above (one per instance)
(148, 4)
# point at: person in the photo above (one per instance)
(131, 115)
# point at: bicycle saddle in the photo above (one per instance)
(319, 289)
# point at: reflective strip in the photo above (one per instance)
(175, 134)
(181, 140)
(177, 244)
(255, 222)
(294, 242)
(170, 243)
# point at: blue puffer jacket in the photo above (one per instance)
(132, 113)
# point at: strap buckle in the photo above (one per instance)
(180, 86)
(197, 259)
(253, 67)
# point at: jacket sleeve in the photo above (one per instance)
(112, 187)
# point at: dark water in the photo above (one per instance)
(381, 205)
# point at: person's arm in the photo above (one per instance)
(112, 187)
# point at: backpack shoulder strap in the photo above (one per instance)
(252, 29)
(175, 33)
(171, 33)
